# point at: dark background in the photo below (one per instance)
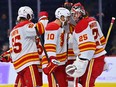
(108, 9)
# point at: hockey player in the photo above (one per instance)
(43, 18)
(24, 51)
(41, 24)
(88, 39)
(56, 48)
(71, 56)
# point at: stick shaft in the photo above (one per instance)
(110, 28)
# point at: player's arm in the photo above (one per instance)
(40, 28)
(102, 37)
(34, 29)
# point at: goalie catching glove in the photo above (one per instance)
(52, 65)
(78, 68)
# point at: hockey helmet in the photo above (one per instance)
(25, 12)
(62, 12)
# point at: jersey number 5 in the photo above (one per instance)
(17, 46)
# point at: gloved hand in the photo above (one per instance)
(5, 57)
(7, 53)
(52, 65)
(78, 68)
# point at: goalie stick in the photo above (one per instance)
(107, 37)
(41, 41)
(109, 30)
(1, 57)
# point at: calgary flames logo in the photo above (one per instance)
(62, 39)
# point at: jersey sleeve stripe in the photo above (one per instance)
(70, 52)
(61, 57)
(44, 60)
(87, 46)
(103, 40)
(99, 50)
(40, 28)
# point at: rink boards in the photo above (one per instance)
(106, 79)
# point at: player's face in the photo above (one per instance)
(76, 16)
(65, 19)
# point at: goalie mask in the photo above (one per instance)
(25, 12)
(62, 12)
(77, 12)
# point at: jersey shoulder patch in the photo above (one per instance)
(52, 26)
(83, 24)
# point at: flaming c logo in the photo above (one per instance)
(62, 39)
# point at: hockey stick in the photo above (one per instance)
(41, 41)
(1, 57)
(109, 30)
